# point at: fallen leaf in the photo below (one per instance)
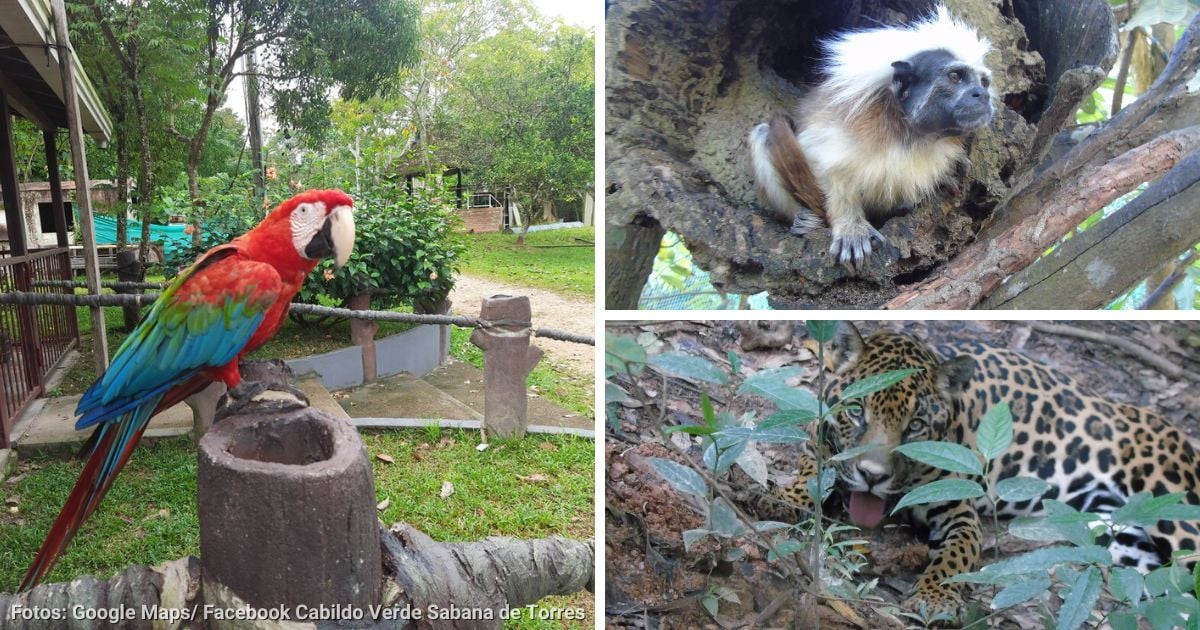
(14, 510)
(534, 478)
(445, 442)
(481, 447)
(383, 505)
(13, 500)
(384, 457)
(15, 479)
(447, 489)
(548, 446)
(163, 513)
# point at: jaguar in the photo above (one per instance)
(1094, 453)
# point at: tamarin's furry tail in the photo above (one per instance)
(789, 161)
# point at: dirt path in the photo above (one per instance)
(550, 310)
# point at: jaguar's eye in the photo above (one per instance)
(855, 413)
(916, 425)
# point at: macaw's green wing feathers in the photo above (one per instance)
(203, 320)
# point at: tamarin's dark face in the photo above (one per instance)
(941, 95)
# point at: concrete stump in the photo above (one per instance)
(130, 269)
(287, 511)
(508, 357)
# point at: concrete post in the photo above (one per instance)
(287, 512)
(508, 357)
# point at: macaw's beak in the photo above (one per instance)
(335, 239)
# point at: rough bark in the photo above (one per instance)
(494, 574)
(1095, 267)
(687, 80)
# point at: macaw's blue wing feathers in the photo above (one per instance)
(203, 320)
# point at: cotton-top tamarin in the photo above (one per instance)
(880, 133)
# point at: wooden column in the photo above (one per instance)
(83, 189)
(50, 142)
(8, 182)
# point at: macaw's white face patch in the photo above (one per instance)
(306, 221)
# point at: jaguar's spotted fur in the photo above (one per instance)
(1094, 453)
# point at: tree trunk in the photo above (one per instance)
(122, 184)
(686, 81)
(145, 203)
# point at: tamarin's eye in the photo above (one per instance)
(985, 81)
(955, 76)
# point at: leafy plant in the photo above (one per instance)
(1077, 571)
(729, 441)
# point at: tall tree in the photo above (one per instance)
(520, 111)
(305, 49)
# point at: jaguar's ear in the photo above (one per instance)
(846, 347)
(954, 376)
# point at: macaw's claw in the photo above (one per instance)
(247, 393)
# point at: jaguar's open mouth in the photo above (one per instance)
(866, 509)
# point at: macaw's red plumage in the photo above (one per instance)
(232, 300)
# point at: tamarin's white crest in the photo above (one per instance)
(880, 133)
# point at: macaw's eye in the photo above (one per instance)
(955, 76)
(916, 425)
(985, 81)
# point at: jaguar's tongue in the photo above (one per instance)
(866, 509)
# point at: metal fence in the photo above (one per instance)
(33, 337)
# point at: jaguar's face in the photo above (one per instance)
(920, 407)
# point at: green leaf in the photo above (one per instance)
(940, 491)
(828, 478)
(615, 394)
(1127, 584)
(943, 455)
(706, 408)
(680, 477)
(730, 450)
(767, 526)
(1021, 592)
(1145, 510)
(872, 384)
(690, 537)
(781, 435)
(686, 366)
(1079, 599)
(772, 385)
(1071, 527)
(1013, 489)
(1167, 613)
(690, 429)
(724, 519)
(1123, 620)
(995, 431)
(623, 354)
(788, 418)
(821, 331)
(785, 548)
(1042, 560)
(735, 362)
(853, 452)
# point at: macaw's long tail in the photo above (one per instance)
(111, 445)
(115, 443)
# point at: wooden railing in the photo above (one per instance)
(33, 337)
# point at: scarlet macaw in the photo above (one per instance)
(231, 301)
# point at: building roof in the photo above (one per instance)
(29, 70)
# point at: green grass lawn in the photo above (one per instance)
(150, 514)
(541, 262)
